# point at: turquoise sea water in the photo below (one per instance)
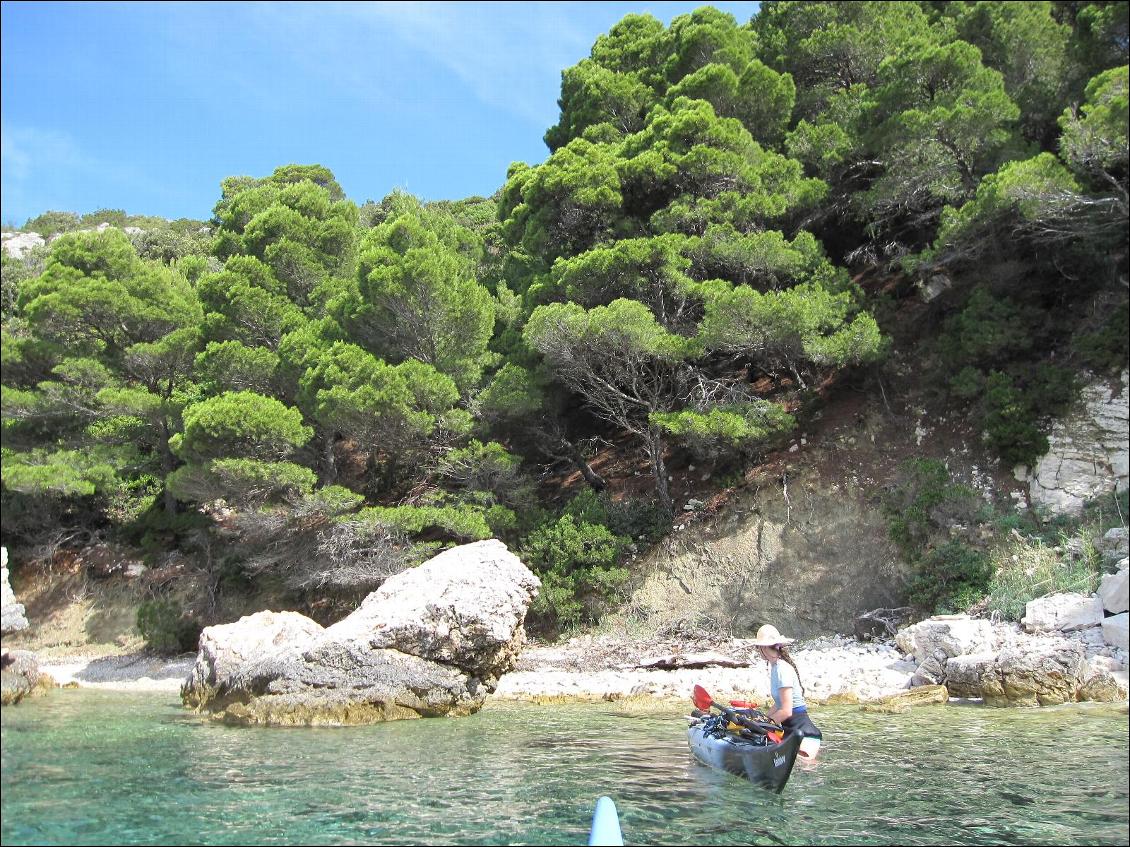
(89, 767)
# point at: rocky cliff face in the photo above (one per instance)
(14, 617)
(1089, 451)
(803, 543)
(813, 556)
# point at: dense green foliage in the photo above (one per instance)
(165, 628)
(923, 508)
(343, 390)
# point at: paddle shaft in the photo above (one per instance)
(702, 700)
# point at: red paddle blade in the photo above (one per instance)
(702, 699)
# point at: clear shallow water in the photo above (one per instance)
(93, 767)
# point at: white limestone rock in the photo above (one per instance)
(21, 677)
(1115, 544)
(1088, 451)
(1116, 631)
(973, 675)
(431, 641)
(934, 287)
(15, 244)
(1115, 589)
(13, 616)
(466, 607)
(1104, 681)
(1035, 675)
(1062, 613)
(945, 636)
(224, 649)
(1036, 672)
(930, 672)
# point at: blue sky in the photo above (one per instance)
(147, 106)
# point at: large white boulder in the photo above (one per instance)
(1116, 631)
(1114, 590)
(464, 608)
(945, 636)
(1062, 612)
(431, 641)
(224, 649)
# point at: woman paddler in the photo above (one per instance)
(788, 695)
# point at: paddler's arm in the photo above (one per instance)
(784, 709)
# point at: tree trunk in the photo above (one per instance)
(168, 463)
(329, 462)
(595, 480)
(659, 470)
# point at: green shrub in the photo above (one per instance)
(1010, 422)
(968, 384)
(165, 628)
(987, 348)
(156, 531)
(557, 601)
(588, 507)
(1041, 557)
(1108, 348)
(240, 423)
(52, 223)
(246, 483)
(949, 578)
(632, 517)
(578, 563)
(924, 503)
(463, 521)
(987, 330)
(726, 430)
(114, 217)
(922, 510)
(644, 519)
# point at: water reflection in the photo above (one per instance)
(98, 767)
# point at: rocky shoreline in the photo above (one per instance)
(447, 638)
(625, 669)
(834, 669)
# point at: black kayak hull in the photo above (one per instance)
(768, 766)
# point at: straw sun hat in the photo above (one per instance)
(768, 636)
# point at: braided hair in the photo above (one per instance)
(783, 652)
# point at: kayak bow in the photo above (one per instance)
(605, 830)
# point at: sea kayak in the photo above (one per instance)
(757, 758)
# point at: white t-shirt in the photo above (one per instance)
(782, 675)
